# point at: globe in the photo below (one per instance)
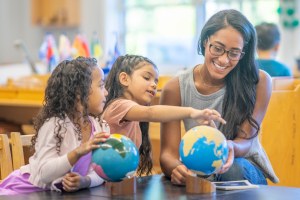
(203, 150)
(116, 159)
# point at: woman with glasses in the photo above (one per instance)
(229, 82)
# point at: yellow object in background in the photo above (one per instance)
(162, 80)
(29, 88)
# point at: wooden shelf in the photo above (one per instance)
(21, 103)
(55, 13)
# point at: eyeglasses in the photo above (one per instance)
(231, 54)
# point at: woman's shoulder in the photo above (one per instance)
(264, 79)
(170, 94)
(263, 74)
(264, 87)
(179, 82)
(187, 73)
(172, 83)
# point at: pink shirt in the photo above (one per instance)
(114, 116)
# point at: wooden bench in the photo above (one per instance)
(281, 131)
(284, 83)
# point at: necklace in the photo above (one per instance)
(207, 84)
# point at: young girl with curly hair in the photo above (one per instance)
(68, 129)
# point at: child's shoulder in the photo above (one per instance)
(122, 101)
(50, 121)
(53, 121)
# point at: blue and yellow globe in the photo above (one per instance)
(116, 159)
(203, 150)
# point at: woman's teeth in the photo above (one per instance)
(219, 67)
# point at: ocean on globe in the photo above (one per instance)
(203, 150)
(116, 159)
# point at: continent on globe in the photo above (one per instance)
(203, 150)
(116, 159)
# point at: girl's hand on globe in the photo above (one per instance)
(207, 116)
(86, 147)
(91, 144)
(179, 174)
(230, 158)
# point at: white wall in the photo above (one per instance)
(102, 16)
(290, 44)
(106, 18)
(15, 24)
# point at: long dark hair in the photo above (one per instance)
(69, 81)
(240, 95)
(128, 64)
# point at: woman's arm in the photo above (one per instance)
(263, 94)
(170, 136)
(170, 132)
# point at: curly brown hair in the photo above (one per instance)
(69, 84)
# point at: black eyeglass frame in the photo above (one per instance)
(224, 51)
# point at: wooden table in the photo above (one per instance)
(158, 187)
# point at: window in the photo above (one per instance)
(167, 31)
(256, 11)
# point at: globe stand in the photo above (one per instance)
(198, 185)
(125, 187)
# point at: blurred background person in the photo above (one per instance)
(268, 39)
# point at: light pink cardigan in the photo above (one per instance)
(46, 167)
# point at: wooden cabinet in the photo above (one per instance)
(57, 13)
